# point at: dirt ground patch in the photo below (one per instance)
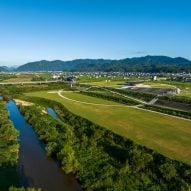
(23, 103)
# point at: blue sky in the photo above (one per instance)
(33, 30)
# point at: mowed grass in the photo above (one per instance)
(167, 135)
(88, 99)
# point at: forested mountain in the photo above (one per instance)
(139, 64)
(3, 69)
(58, 65)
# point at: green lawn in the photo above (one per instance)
(88, 99)
(167, 135)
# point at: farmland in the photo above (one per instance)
(185, 87)
(24, 77)
(167, 135)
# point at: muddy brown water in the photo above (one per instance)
(35, 169)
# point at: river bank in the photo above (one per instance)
(35, 169)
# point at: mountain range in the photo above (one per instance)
(4, 69)
(137, 64)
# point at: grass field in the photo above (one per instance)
(104, 83)
(167, 135)
(88, 99)
(20, 78)
(185, 87)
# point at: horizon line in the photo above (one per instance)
(68, 60)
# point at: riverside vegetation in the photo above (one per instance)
(9, 149)
(101, 159)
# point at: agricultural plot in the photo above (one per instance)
(168, 135)
(107, 83)
(156, 91)
(185, 87)
(20, 78)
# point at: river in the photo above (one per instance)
(35, 169)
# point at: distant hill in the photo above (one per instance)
(58, 65)
(138, 64)
(3, 69)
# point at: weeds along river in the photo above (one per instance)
(35, 169)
